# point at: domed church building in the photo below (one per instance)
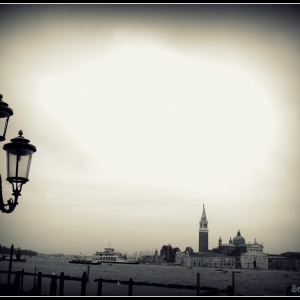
(247, 255)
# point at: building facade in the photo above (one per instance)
(284, 261)
(254, 257)
(207, 259)
(236, 254)
(247, 255)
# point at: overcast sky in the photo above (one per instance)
(143, 113)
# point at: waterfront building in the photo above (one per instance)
(236, 254)
(204, 259)
(284, 261)
(179, 258)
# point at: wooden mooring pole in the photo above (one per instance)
(10, 263)
(39, 286)
(130, 287)
(233, 281)
(198, 283)
(88, 273)
(53, 286)
(83, 284)
(21, 287)
(61, 284)
(99, 291)
(34, 276)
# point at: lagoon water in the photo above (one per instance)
(247, 283)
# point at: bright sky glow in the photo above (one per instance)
(141, 121)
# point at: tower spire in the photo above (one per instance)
(203, 217)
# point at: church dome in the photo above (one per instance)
(238, 239)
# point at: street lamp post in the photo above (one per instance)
(18, 154)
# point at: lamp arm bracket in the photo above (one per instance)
(11, 203)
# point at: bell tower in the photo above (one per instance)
(220, 241)
(203, 232)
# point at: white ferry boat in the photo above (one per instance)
(110, 256)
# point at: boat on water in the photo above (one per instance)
(110, 256)
(292, 275)
(221, 270)
(18, 258)
(84, 261)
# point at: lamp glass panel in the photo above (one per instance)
(2, 125)
(18, 163)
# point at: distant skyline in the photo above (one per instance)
(143, 113)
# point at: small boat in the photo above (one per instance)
(19, 259)
(84, 261)
(96, 262)
(292, 275)
(2, 257)
(22, 260)
(221, 270)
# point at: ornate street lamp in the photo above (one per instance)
(18, 154)
(5, 113)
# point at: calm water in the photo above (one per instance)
(247, 283)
